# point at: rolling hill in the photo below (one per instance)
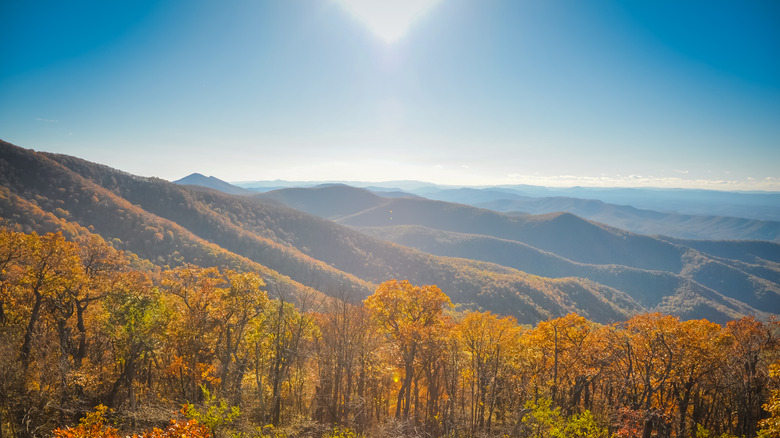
(655, 271)
(570, 264)
(170, 224)
(751, 205)
(642, 221)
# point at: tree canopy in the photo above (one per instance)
(93, 345)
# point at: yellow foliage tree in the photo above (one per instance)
(409, 315)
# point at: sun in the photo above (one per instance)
(387, 19)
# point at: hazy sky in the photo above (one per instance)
(551, 92)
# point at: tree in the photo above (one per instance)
(136, 324)
(343, 355)
(489, 341)
(238, 305)
(558, 354)
(102, 267)
(754, 347)
(192, 294)
(701, 349)
(408, 315)
(546, 421)
(215, 414)
(770, 427)
(13, 248)
(52, 272)
(280, 339)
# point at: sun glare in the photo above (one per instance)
(388, 20)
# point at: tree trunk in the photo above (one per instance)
(684, 408)
(81, 352)
(63, 334)
(408, 385)
(360, 417)
(24, 355)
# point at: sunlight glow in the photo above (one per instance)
(389, 20)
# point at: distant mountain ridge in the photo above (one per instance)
(643, 221)
(749, 205)
(563, 245)
(532, 200)
(197, 179)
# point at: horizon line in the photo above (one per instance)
(246, 184)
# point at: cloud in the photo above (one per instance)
(749, 183)
(46, 120)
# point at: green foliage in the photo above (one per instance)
(546, 421)
(341, 432)
(702, 432)
(214, 414)
(543, 420)
(584, 425)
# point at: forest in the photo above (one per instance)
(533, 268)
(98, 342)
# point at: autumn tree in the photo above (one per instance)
(13, 250)
(51, 275)
(489, 341)
(754, 348)
(557, 355)
(240, 302)
(770, 427)
(409, 315)
(344, 357)
(102, 267)
(280, 345)
(191, 293)
(702, 349)
(83, 324)
(136, 324)
(13, 247)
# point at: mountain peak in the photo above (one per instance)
(198, 179)
(192, 176)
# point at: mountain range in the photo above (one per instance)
(686, 214)
(342, 241)
(707, 226)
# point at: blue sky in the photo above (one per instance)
(550, 92)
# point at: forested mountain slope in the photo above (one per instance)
(656, 271)
(657, 290)
(532, 267)
(39, 194)
(170, 224)
(564, 234)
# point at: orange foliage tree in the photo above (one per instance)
(410, 316)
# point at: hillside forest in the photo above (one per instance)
(98, 342)
(342, 241)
